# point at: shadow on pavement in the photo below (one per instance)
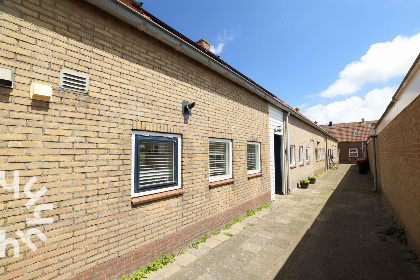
(343, 243)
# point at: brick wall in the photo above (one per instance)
(302, 134)
(79, 145)
(344, 151)
(398, 169)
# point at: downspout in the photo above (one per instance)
(288, 154)
(375, 175)
(325, 153)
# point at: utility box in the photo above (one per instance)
(6, 77)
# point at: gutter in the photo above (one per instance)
(136, 19)
(325, 153)
(288, 190)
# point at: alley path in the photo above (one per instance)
(328, 231)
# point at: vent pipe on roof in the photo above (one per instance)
(330, 123)
(363, 120)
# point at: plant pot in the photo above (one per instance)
(312, 181)
(304, 185)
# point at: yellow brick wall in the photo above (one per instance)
(79, 145)
(398, 169)
(302, 134)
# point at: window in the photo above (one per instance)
(356, 133)
(353, 153)
(220, 159)
(338, 150)
(292, 155)
(253, 157)
(156, 163)
(307, 153)
(300, 154)
(316, 154)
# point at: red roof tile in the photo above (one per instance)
(344, 132)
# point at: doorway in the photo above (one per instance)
(278, 160)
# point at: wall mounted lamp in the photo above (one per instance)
(186, 110)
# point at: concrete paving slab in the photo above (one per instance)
(328, 231)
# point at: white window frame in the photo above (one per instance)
(292, 160)
(356, 133)
(307, 154)
(353, 150)
(257, 157)
(228, 163)
(301, 154)
(133, 161)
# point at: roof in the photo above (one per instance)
(137, 7)
(344, 132)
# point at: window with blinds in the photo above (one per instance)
(253, 157)
(220, 162)
(300, 154)
(292, 155)
(156, 163)
(307, 153)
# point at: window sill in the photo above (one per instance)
(221, 183)
(301, 164)
(255, 175)
(152, 197)
(292, 166)
(308, 163)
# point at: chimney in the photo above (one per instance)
(204, 44)
(363, 120)
(297, 109)
(330, 124)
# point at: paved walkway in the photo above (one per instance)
(328, 231)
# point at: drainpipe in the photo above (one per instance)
(375, 175)
(288, 154)
(325, 153)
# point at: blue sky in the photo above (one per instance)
(336, 60)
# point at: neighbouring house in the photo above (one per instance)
(394, 155)
(132, 140)
(352, 139)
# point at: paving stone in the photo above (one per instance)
(329, 231)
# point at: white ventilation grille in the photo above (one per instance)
(72, 80)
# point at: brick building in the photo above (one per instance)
(352, 139)
(92, 107)
(395, 148)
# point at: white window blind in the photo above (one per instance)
(292, 155)
(219, 160)
(156, 160)
(353, 153)
(300, 154)
(307, 153)
(253, 157)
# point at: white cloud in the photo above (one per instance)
(381, 62)
(354, 108)
(222, 39)
(218, 49)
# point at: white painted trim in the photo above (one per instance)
(401, 101)
(229, 161)
(133, 154)
(258, 170)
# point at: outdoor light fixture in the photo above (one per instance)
(186, 110)
(317, 143)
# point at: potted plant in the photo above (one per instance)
(304, 183)
(312, 179)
